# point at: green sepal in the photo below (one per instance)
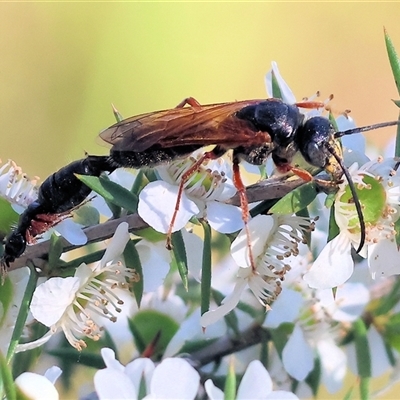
(111, 191)
(296, 200)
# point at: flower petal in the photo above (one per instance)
(334, 362)
(157, 203)
(116, 245)
(297, 355)
(256, 382)
(71, 231)
(286, 308)
(383, 259)
(213, 392)
(224, 218)
(227, 305)
(165, 385)
(112, 384)
(36, 386)
(259, 228)
(287, 94)
(51, 299)
(333, 266)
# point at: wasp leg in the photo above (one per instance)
(216, 152)
(191, 101)
(244, 205)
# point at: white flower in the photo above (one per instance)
(73, 303)
(274, 238)
(378, 188)
(256, 383)
(173, 378)
(203, 195)
(15, 186)
(37, 387)
(316, 316)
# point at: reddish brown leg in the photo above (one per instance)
(244, 205)
(191, 101)
(209, 155)
(302, 173)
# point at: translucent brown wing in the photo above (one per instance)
(210, 124)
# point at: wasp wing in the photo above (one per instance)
(206, 125)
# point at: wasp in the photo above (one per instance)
(253, 129)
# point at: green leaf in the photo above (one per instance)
(397, 102)
(390, 300)
(314, 377)
(147, 324)
(8, 218)
(280, 336)
(363, 354)
(84, 357)
(276, 90)
(365, 388)
(111, 191)
(22, 314)
(86, 215)
(118, 117)
(296, 200)
(55, 251)
(132, 260)
(349, 394)
(206, 269)
(230, 383)
(7, 386)
(395, 65)
(179, 257)
(393, 59)
(333, 229)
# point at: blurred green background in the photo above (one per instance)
(62, 65)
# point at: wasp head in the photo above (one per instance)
(319, 147)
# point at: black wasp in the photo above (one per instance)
(253, 129)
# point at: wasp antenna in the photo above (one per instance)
(355, 197)
(365, 128)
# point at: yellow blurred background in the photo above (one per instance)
(62, 65)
